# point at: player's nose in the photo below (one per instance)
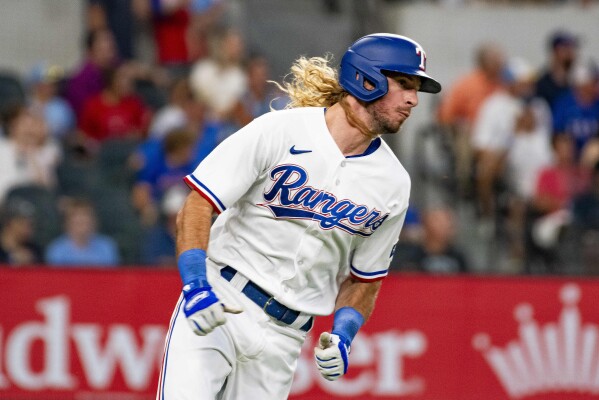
(411, 97)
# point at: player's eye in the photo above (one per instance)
(408, 84)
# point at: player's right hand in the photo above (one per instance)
(204, 311)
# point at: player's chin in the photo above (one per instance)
(395, 127)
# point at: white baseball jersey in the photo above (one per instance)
(296, 215)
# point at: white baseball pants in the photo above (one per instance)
(249, 357)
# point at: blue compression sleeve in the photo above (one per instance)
(347, 322)
(192, 268)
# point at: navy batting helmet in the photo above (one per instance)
(367, 57)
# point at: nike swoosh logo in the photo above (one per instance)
(292, 150)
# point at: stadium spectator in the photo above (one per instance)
(511, 138)
(162, 163)
(577, 112)
(436, 253)
(149, 160)
(555, 80)
(170, 25)
(585, 222)
(116, 112)
(206, 15)
(220, 81)
(174, 115)
(549, 213)
(558, 183)
(43, 83)
(175, 160)
(158, 242)
(81, 244)
(88, 80)
(460, 105)
(119, 17)
(17, 247)
(261, 95)
(28, 155)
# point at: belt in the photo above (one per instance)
(267, 302)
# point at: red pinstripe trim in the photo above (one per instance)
(201, 193)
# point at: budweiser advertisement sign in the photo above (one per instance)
(99, 335)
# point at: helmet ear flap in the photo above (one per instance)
(355, 70)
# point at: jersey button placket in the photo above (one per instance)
(342, 165)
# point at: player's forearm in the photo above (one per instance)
(358, 295)
(193, 224)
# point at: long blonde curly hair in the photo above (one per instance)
(312, 82)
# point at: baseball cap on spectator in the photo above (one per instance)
(15, 209)
(44, 72)
(563, 38)
(584, 73)
(518, 70)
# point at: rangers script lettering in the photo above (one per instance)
(302, 202)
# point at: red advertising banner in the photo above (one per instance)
(91, 335)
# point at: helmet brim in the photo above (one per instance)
(429, 85)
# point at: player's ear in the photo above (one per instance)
(368, 85)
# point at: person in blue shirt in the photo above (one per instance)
(43, 83)
(157, 243)
(577, 113)
(81, 244)
(162, 164)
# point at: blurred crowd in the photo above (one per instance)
(519, 145)
(92, 159)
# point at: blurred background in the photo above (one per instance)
(106, 104)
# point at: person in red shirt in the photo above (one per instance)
(559, 183)
(116, 112)
(550, 211)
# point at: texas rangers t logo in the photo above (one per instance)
(296, 200)
(420, 52)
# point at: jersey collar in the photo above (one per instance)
(372, 147)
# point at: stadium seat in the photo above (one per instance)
(152, 96)
(117, 218)
(77, 174)
(113, 161)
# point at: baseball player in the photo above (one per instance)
(311, 202)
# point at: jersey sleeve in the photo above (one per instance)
(232, 167)
(371, 259)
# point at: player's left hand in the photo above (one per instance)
(331, 356)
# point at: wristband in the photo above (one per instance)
(347, 322)
(192, 268)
